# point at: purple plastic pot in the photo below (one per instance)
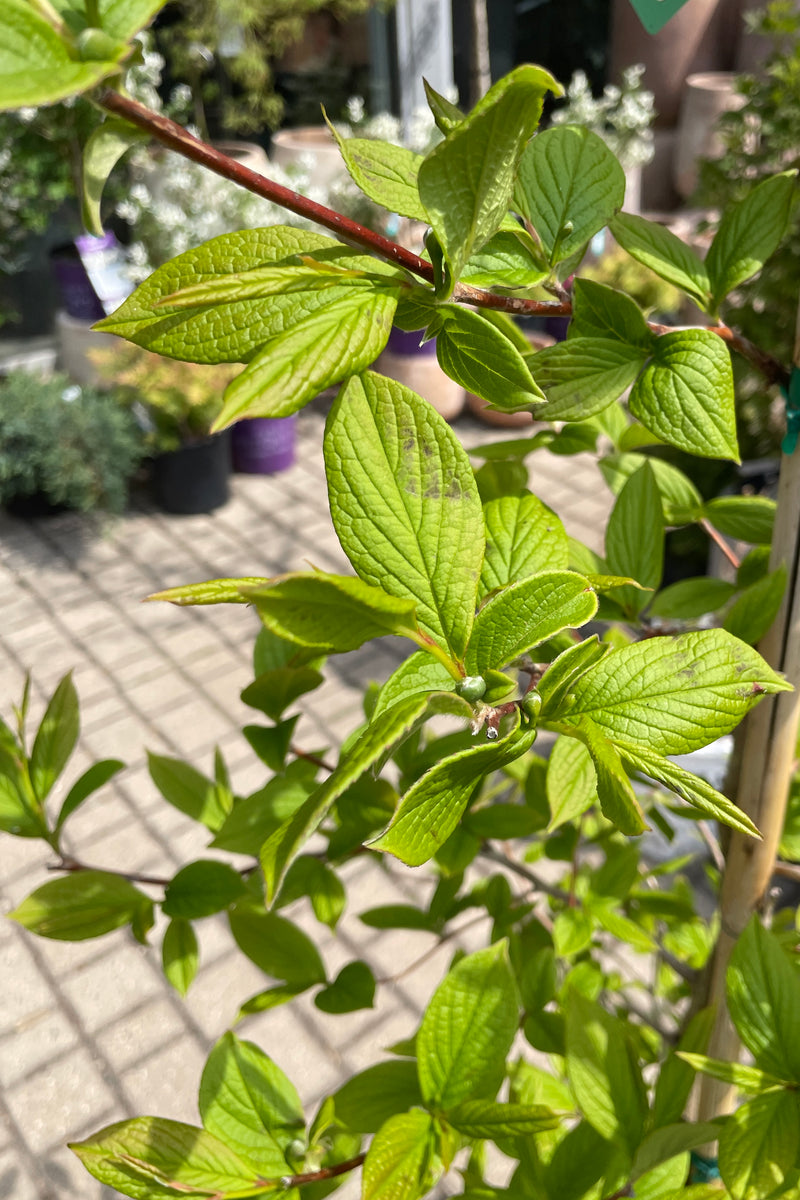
(263, 445)
(77, 294)
(401, 342)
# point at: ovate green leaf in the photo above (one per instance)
(368, 1099)
(468, 1029)
(754, 609)
(478, 356)
(749, 233)
(583, 375)
(399, 1162)
(571, 781)
(352, 989)
(188, 791)
(758, 1145)
(601, 312)
(385, 173)
(333, 612)
(466, 182)
(55, 738)
(488, 1119)
(102, 152)
(526, 613)
(523, 537)
(275, 945)
(432, 808)
(340, 339)
(202, 888)
(154, 1157)
(569, 186)
(656, 247)
(673, 695)
(248, 1103)
(37, 65)
(764, 1001)
(635, 537)
(405, 504)
(603, 1072)
(748, 518)
(685, 394)
(180, 954)
(84, 905)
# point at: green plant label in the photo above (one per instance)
(654, 14)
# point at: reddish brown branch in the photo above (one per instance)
(719, 540)
(172, 135)
(290, 1181)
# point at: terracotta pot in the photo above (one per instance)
(292, 146)
(708, 95)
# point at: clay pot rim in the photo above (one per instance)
(715, 81)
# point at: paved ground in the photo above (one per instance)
(90, 1032)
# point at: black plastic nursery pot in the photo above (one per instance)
(194, 478)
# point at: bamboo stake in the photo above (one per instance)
(767, 763)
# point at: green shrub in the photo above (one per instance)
(75, 447)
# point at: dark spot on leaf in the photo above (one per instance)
(432, 491)
(454, 490)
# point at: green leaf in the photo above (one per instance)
(572, 933)
(90, 781)
(255, 817)
(554, 685)
(18, 815)
(603, 1073)
(352, 989)
(584, 375)
(569, 187)
(83, 905)
(276, 690)
(248, 1103)
(397, 916)
(210, 591)
(117, 18)
(377, 740)
(37, 65)
(370, 1098)
(505, 261)
(272, 743)
(478, 356)
(431, 809)
(676, 1079)
(665, 1143)
(400, 1161)
(523, 537)
(385, 173)
(689, 599)
(749, 233)
(446, 114)
(758, 1145)
(296, 366)
(55, 738)
(691, 788)
(503, 821)
(614, 791)
(153, 1157)
(602, 313)
(488, 1119)
(526, 613)
(180, 954)
(332, 612)
(275, 945)
(419, 673)
(685, 394)
(307, 876)
(466, 182)
(571, 781)
(102, 152)
(270, 998)
(764, 1001)
(635, 538)
(235, 330)
(754, 609)
(746, 1079)
(674, 695)
(680, 499)
(188, 791)
(656, 247)
(201, 889)
(748, 518)
(405, 504)
(467, 1030)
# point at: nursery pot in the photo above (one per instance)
(416, 366)
(263, 445)
(194, 478)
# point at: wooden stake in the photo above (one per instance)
(767, 763)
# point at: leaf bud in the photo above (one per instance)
(472, 687)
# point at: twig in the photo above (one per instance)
(518, 868)
(714, 848)
(440, 941)
(720, 541)
(172, 135)
(290, 1181)
(314, 759)
(67, 863)
(787, 870)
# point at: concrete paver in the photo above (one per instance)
(91, 1032)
